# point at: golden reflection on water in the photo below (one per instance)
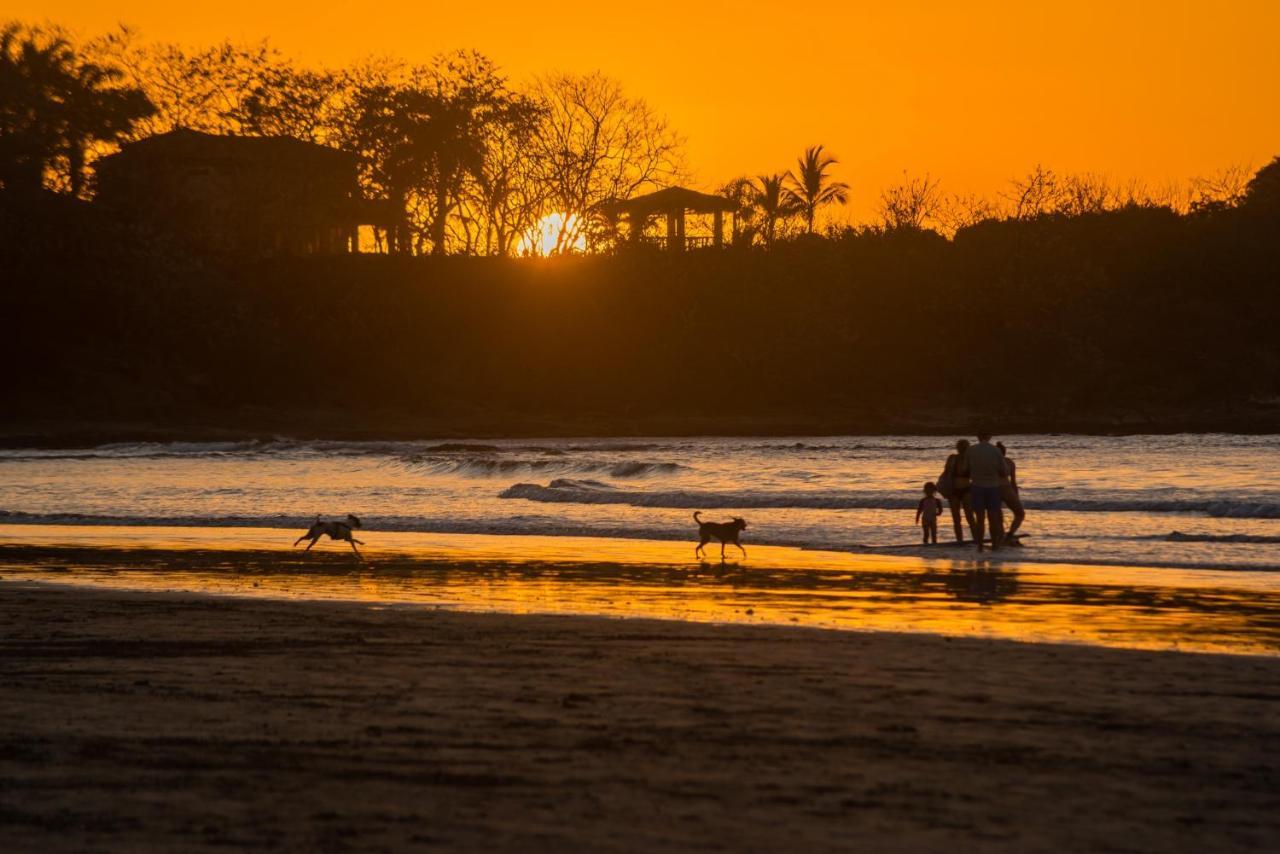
(1235, 612)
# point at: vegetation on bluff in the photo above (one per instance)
(1131, 319)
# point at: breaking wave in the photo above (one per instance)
(464, 458)
(210, 450)
(567, 491)
(1180, 537)
(490, 466)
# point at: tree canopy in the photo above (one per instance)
(55, 105)
(467, 162)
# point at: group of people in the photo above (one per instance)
(978, 480)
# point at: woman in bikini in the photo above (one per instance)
(955, 488)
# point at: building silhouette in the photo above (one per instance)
(239, 195)
(674, 204)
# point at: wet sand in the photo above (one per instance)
(1138, 607)
(154, 721)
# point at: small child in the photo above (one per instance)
(927, 512)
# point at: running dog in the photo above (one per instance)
(335, 530)
(725, 532)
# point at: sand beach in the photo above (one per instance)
(150, 720)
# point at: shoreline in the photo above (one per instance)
(942, 551)
(138, 720)
(55, 432)
(1135, 607)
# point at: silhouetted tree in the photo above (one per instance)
(36, 69)
(596, 144)
(441, 145)
(775, 203)
(55, 105)
(1219, 190)
(812, 188)
(964, 211)
(1086, 193)
(474, 107)
(247, 89)
(509, 195)
(225, 88)
(1035, 195)
(1262, 193)
(391, 129)
(746, 221)
(911, 204)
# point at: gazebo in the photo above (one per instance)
(674, 203)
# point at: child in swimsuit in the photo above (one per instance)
(927, 512)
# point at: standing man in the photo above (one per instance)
(987, 472)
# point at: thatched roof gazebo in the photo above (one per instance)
(674, 203)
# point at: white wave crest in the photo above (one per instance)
(563, 491)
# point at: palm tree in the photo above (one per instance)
(98, 109)
(774, 201)
(54, 103)
(34, 70)
(811, 187)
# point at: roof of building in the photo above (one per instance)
(672, 199)
(196, 145)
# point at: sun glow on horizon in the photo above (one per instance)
(975, 95)
(545, 238)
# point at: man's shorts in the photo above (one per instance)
(985, 499)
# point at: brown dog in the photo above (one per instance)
(725, 532)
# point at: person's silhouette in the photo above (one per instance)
(985, 467)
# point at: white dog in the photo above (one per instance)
(335, 530)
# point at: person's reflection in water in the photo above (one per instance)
(984, 586)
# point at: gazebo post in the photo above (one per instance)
(674, 203)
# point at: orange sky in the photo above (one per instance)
(973, 93)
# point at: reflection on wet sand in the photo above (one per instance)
(1115, 606)
(983, 586)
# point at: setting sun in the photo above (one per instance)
(545, 238)
(973, 94)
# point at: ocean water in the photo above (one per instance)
(1210, 501)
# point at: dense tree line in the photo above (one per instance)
(468, 162)
(1137, 318)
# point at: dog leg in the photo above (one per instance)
(314, 540)
(356, 550)
(741, 549)
(300, 539)
(722, 551)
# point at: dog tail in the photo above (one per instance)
(696, 515)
